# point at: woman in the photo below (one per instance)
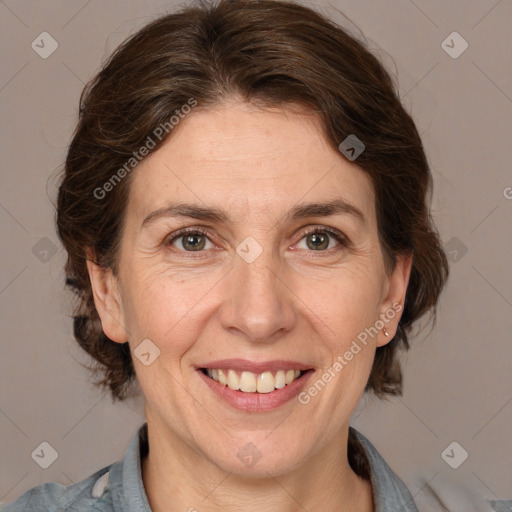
(245, 207)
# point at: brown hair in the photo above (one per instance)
(273, 53)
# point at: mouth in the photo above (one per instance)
(250, 382)
(255, 386)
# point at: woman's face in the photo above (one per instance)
(258, 288)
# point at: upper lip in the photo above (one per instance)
(251, 366)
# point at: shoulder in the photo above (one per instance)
(115, 487)
(391, 494)
(92, 494)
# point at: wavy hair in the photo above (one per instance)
(270, 53)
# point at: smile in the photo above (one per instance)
(254, 387)
(249, 382)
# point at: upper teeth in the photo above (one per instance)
(249, 382)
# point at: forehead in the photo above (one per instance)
(239, 157)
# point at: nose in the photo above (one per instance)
(259, 303)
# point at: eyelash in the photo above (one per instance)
(337, 235)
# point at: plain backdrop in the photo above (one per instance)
(458, 385)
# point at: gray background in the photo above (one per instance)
(457, 377)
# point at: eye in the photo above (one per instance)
(318, 238)
(196, 239)
(190, 240)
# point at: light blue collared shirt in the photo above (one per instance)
(119, 487)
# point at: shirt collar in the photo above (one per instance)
(389, 492)
(128, 491)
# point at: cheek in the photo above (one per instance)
(349, 299)
(165, 308)
(162, 310)
(153, 298)
(348, 309)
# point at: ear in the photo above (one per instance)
(392, 304)
(107, 300)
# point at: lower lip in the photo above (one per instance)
(257, 402)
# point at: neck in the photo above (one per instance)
(178, 478)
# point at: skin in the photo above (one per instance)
(256, 164)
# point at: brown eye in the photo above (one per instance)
(319, 239)
(195, 242)
(191, 240)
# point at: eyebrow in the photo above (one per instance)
(335, 207)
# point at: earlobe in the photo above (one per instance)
(107, 300)
(393, 304)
